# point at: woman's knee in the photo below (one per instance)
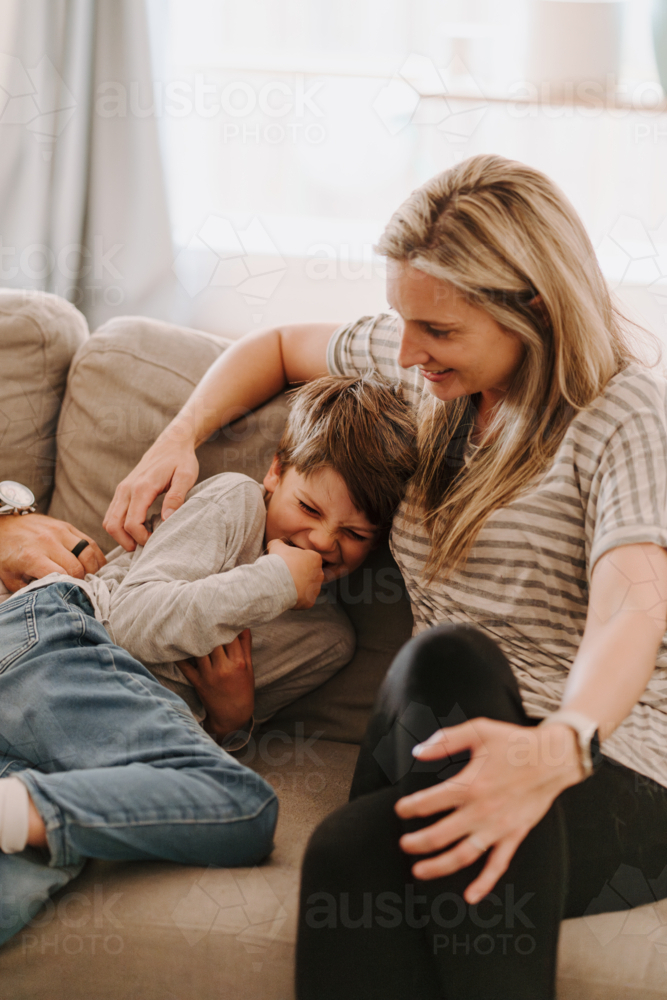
(444, 650)
(454, 643)
(452, 669)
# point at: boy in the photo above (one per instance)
(99, 760)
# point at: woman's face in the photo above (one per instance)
(459, 348)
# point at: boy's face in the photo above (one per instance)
(316, 512)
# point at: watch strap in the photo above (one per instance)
(586, 731)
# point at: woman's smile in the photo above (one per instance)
(436, 376)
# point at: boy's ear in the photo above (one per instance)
(272, 478)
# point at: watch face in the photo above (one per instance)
(16, 494)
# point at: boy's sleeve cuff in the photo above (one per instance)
(284, 577)
(238, 739)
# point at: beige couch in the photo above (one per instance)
(76, 413)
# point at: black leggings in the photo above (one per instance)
(369, 930)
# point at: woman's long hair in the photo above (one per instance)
(502, 233)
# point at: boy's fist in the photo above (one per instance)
(305, 565)
(225, 683)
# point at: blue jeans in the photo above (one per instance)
(115, 763)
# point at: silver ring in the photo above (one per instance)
(475, 843)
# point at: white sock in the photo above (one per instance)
(14, 814)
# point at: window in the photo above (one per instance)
(295, 126)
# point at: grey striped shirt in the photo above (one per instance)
(527, 578)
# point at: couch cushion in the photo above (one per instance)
(125, 385)
(39, 335)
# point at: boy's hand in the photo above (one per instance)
(225, 683)
(305, 565)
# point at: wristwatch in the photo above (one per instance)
(16, 498)
(588, 737)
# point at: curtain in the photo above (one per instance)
(83, 207)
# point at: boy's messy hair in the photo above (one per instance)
(360, 427)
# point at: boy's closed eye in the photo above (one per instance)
(350, 531)
(309, 510)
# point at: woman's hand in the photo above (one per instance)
(516, 772)
(33, 545)
(510, 782)
(225, 683)
(167, 465)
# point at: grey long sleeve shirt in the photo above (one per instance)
(200, 579)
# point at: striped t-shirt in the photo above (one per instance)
(527, 577)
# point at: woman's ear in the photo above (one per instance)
(272, 478)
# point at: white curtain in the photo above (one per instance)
(83, 208)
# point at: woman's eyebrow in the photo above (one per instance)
(450, 324)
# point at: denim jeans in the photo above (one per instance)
(114, 762)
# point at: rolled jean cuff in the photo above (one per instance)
(54, 821)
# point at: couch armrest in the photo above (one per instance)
(39, 335)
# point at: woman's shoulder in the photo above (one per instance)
(640, 382)
(375, 324)
(361, 338)
(635, 392)
(371, 343)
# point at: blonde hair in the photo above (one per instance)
(502, 233)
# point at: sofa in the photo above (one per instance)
(77, 411)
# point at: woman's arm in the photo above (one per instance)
(248, 373)
(625, 624)
(515, 773)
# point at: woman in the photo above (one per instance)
(532, 544)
